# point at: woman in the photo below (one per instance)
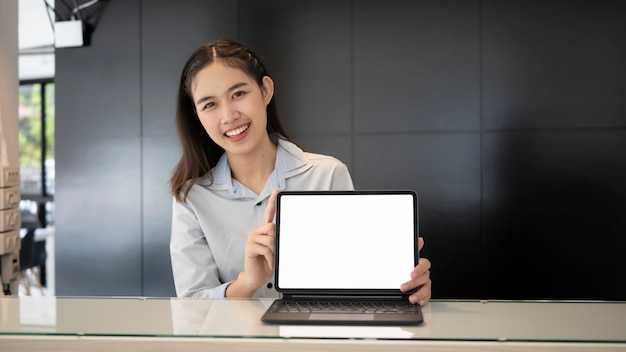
(235, 158)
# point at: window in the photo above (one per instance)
(36, 145)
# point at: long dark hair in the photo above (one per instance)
(199, 152)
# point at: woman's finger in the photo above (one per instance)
(419, 276)
(270, 210)
(422, 296)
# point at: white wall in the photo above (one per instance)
(9, 81)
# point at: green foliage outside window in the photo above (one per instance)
(30, 137)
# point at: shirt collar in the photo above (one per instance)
(290, 161)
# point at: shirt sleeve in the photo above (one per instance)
(341, 179)
(193, 265)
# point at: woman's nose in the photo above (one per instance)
(229, 112)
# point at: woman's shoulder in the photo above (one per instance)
(322, 172)
(309, 170)
(309, 157)
(325, 166)
(323, 160)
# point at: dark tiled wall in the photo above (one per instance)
(98, 211)
(554, 148)
(508, 118)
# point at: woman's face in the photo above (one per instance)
(232, 107)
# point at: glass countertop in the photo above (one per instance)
(601, 322)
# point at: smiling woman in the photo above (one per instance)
(223, 88)
(236, 156)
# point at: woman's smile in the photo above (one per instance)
(237, 131)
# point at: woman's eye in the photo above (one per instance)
(238, 94)
(209, 105)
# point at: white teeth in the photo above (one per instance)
(238, 131)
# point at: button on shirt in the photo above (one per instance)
(210, 229)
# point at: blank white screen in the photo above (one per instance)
(357, 241)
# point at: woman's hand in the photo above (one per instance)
(420, 277)
(259, 255)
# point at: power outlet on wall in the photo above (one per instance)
(10, 197)
(9, 176)
(10, 242)
(10, 219)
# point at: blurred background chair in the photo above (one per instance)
(32, 255)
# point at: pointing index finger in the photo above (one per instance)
(270, 210)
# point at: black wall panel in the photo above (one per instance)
(98, 160)
(416, 65)
(159, 155)
(553, 214)
(553, 103)
(98, 216)
(507, 118)
(553, 64)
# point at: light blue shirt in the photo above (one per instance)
(210, 229)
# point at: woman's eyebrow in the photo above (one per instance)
(237, 85)
(230, 89)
